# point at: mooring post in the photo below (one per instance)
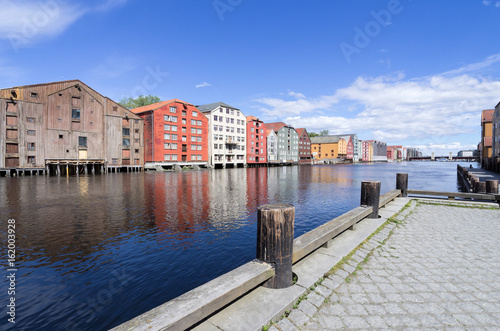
(370, 196)
(275, 241)
(473, 180)
(492, 186)
(402, 184)
(480, 187)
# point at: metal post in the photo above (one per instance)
(370, 196)
(275, 241)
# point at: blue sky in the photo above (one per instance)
(407, 72)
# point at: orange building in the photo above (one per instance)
(486, 137)
(328, 147)
(175, 133)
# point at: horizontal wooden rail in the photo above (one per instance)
(476, 196)
(193, 306)
(312, 240)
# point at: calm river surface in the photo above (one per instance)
(93, 252)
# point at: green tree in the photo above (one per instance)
(313, 134)
(323, 133)
(140, 101)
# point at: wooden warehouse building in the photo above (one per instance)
(66, 128)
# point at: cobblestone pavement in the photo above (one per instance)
(439, 268)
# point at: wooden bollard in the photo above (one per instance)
(370, 196)
(402, 184)
(492, 186)
(473, 180)
(480, 187)
(275, 241)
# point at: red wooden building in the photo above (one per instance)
(175, 133)
(256, 141)
(304, 147)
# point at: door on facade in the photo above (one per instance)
(184, 158)
(82, 154)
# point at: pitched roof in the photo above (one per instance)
(300, 131)
(325, 140)
(276, 126)
(487, 115)
(211, 106)
(157, 105)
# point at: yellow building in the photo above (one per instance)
(328, 147)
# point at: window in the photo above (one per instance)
(198, 131)
(215, 146)
(198, 123)
(184, 113)
(114, 161)
(34, 95)
(193, 139)
(195, 114)
(193, 147)
(174, 157)
(75, 114)
(198, 139)
(126, 131)
(183, 121)
(193, 130)
(166, 157)
(82, 141)
(232, 121)
(136, 151)
(61, 136)
(198, 157)
(227, 110)
(30, 119)
(31, 146)
(198, 147)
(184, 138)
(174, 146)
(173, 119)
(115, 108)
(174, 137)
(173, 109)
(193, 157)
(166, 136)
(166, 127)
(30, 132)
(126, 142)
(31, 159)
(216, 127)
(136, 130)
(166, 145)
(193, 122)
(174, 128)
(184, 130)
(215, 117)
(136, 140)
(166, 118)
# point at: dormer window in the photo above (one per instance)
(33, 94)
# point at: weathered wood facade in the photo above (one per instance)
(56, 125)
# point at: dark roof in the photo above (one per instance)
(211, 106)
(325, 140)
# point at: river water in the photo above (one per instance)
(93, 252)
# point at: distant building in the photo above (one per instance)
(328, 147)
(412, 152)
(175, 133)
(394, 153)
(304, 147)
(272, 146)
(366, 151)
(495, 143)
(469, 153)
(355, 154)
(288, 142)
(67, 128)
(485, 146)
(256, 141)
(227, 138)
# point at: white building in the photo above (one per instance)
(272, 146)
(226, 135)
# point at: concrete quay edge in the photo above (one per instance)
(263, 306)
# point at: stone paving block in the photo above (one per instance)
(286, 325)
(323, 290)
(307, 307)
(316, 299)
(298, 317)
(355, 322)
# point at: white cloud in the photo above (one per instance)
(296, 95)
(22, 22)
(486, 2)
(394, 108)
(204, 84)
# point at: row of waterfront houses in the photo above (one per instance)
(489, 146)
(68, 128)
